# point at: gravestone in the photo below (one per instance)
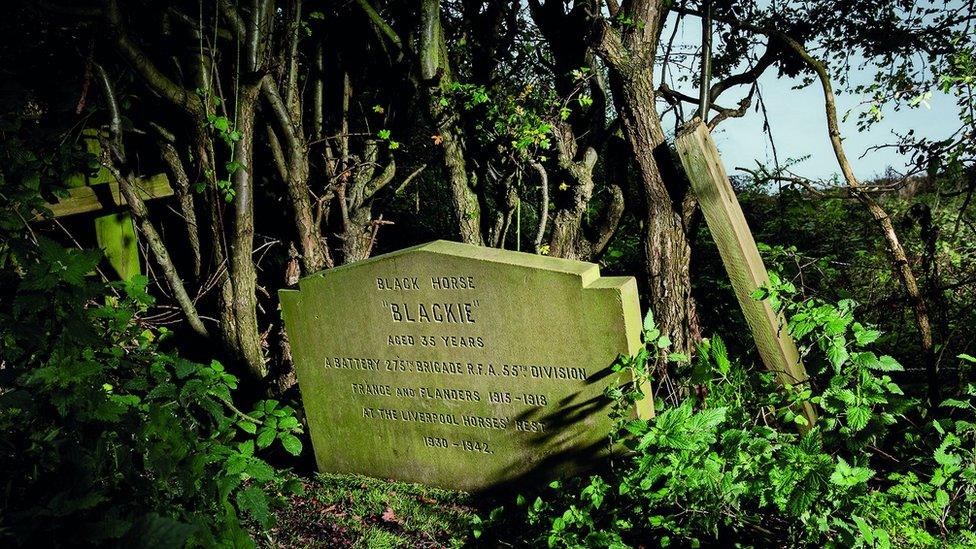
(461, 366)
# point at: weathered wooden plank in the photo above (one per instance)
(736, 245)
(89, 199)
(116, 236)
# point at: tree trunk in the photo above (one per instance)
(296, 174)
(243, 278)
(895, 250)
(629, 54)
(436, 72)
(572, 237)
(357, 236)
(667, 251)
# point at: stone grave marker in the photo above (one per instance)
(460, 366)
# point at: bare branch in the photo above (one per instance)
(749, 76)
(141, 214)
(381, 24)
(159, 82)
(543, 204)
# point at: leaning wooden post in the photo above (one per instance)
(740, 256)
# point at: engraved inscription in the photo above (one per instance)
(436, 313)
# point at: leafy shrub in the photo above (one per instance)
(730, 465)
(106, 438)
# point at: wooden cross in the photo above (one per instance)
(115, 232)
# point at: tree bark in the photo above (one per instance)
(435, 70)
(243, 277)
(185, 196)
(629, 52)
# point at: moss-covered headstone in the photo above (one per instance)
(460, 366)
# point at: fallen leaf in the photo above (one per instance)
(389, 516)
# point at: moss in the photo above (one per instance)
(363, 512)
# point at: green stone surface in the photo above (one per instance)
(460, 366)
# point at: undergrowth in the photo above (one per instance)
(735, 463)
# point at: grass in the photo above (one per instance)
(362, 512)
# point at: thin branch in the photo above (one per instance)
(141, 214)
(895, 249)
(381, 24)
(158, 81)
(749, 76)
(543, 204)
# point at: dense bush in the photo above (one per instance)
(734, 463)
(107, 438)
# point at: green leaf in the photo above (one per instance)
(293, 486)
(248, 427)
(944, 458)
(246, 447)
(864, 336)
(221, 124)
(649, 321)
(291, 443)
(866, 531)
(887, 364)
(259, 470)
(837, 352)
(846, 476)
(265, 438)
(236, 464)
(720, 355)
(253, 501)
(858, 417)
(289, 422)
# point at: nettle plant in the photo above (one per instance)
(728, 464)
(859, 397)
(108, 438)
